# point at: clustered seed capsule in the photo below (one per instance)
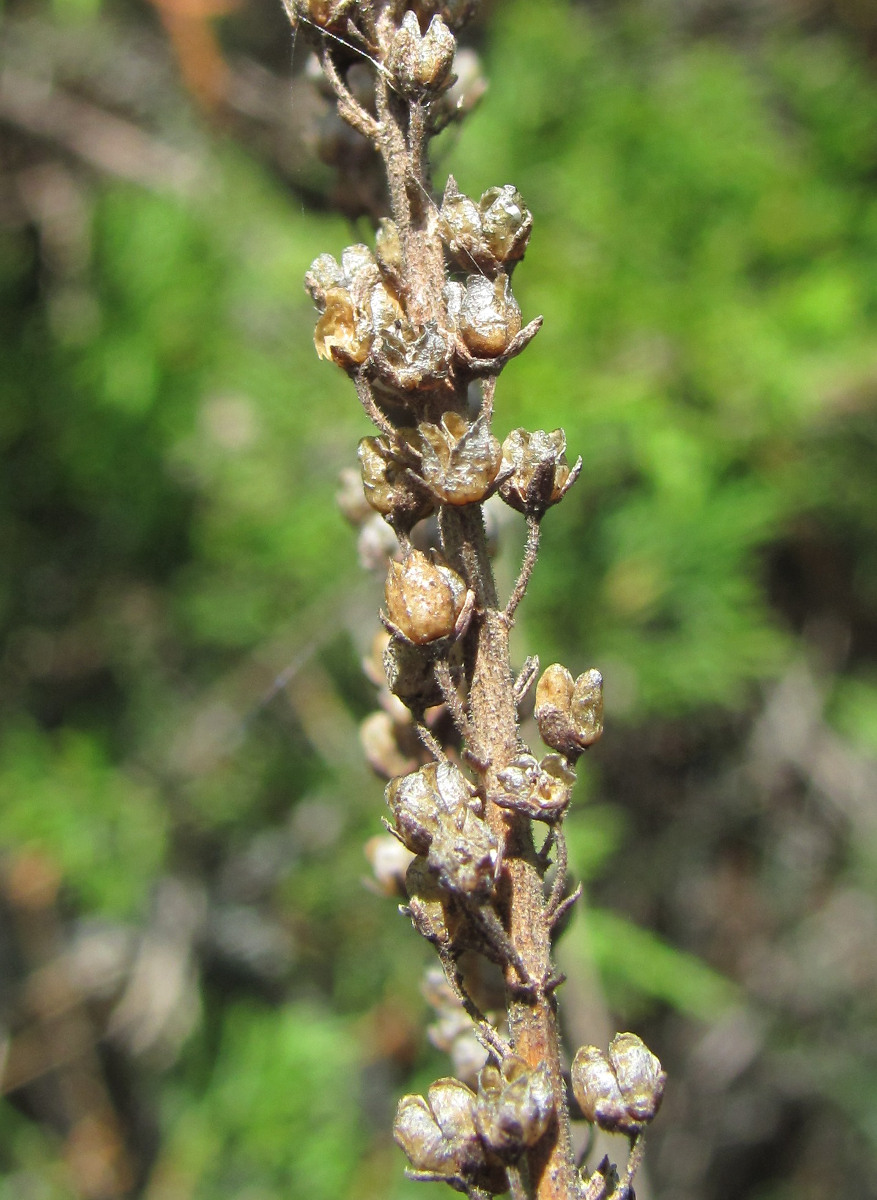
(569, 712)
(620, 1092)
(539, 790)
(425, 598)
(457, 1135)
(421, 63)
(536, 473)
(439, 815)
(439, 1136)
(489, 234)
(460, 460)
(389, 481)
(485, 313)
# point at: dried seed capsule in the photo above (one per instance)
(639, 1075)
(417, 1132)
(541, 790)
(622, 1092)
(409, 357)
(324, 273)
(453, 1106)
(459, 461)
(569, 712)
(414, 802)
(540, 474)
(489, 315)
(424, 598)
(464, 854)
(421, 62)
(379, 737)
(460, 227)
(388, 481)
(410, 672)
(506, 223)
(515, 1106)
(424, 799)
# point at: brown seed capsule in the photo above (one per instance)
(453, 1106)
(410, 357)
(622, 1092)
(541, 790)
(421, 62)
(424, 799)
(389, 482)
(460, 228)
(489, 315)
(515, 1106)
(569, 712)
(424, 598)
(459, 461)
(537, 470)
(506, 223)
(417, 1132)
(464, 854)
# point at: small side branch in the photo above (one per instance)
(348, 107)
(531, 551)
(452, 699)
(367, 400)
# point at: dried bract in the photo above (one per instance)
(620, 1092)
(569, 712)
(424, 598)
(409, 357)
(538, 472)
(459, 461)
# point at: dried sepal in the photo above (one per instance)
(537, 472)
(388, 479)
(622, 1091)
(425, 598)
(569, 712)
(459, 460)
(421, 63)
(515, 1106)
(539, 790)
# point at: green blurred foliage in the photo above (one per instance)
(704, 254)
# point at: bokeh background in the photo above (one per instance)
(200, 996)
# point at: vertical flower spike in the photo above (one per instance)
(424, 324)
